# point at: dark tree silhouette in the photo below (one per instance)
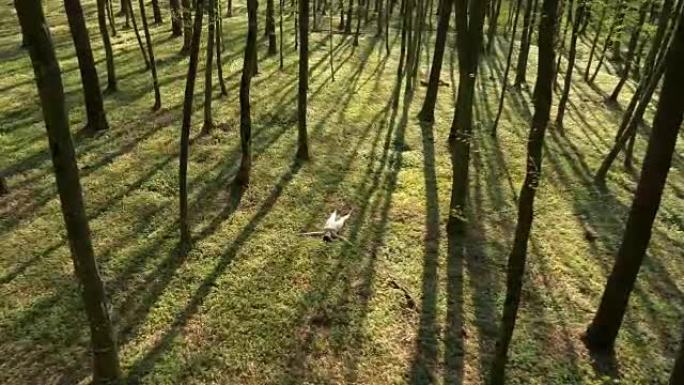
(660, 35)
(572, 54)
(677, 376)
(528, 28)
(469, 34)
(604, 328)
(229, 11)
(4, 190)
(631, 49)
(543, 94)
(280, 29)
(594, 42)
(219, 49)
(176, 18)
(131, 14)
(150, 52)
(51, 92)
(495, 10)
(107, 44)
(248, 70)
(303, 89)
(509, 58)
(156, 12)
(427, 112)
(208, 69)
(270, 28)
(187, 27)
(185, 238)
(110, 16)
(95, 113)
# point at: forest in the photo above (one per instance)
(370, 192)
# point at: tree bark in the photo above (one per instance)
(604, 328)
(150, 53)
(187, 27)
(219, 49)
(659, 37)
(107, 44)
(156, 12)
(427, 112)
(4, 190)
(577, 22)
(242, 177)
(208, 69)
(677, 375)
(95, 113)
(185, 238)
(270, 28)
(521, 69)
(50, 89)
(176, 18)
(469, 35)
(507, 70)
(303, 88)
(493, 24)
(131, 14)
(543, 94)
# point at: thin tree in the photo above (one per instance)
(229, 11)
(208, 69)
(219, 49)
(280, 29)
(131, 14)
(95, 113)
(493, 23)
(509, 57)
(185, 239)
(4, 190)
(110, 16)
(303, 88)
(187, 27)
(594, 42)
(543, 94)
(150, 52)
(604, 328)
(608, 42)
(242, 177)
(659, 37)
(107, 44)
(427, 112)
(631, 49)
(677, 375)
(469, 35)
(528, 28)
(359, 9)
(176, 18)
(270, 28)
(330, 42)
(51, 92)
(572, 54)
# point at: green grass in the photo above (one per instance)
(254, 302)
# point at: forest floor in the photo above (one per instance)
(256, 303)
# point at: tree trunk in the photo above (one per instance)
(150, 52)
(131, 14)
(347, 26)
(568, 23)
(493, 24)
(242, 177)
(270, 28)
(659, 37)
(427, 112)
(594, 43)
(156, 12)
(49, 83)
(579, 15)
(4, 190)
(677, 375)
(633, 41)
(280, 25)
(543, 94)
(229, 11)
(187, 27)
(521, 69)
(469, 35)
(110, 16)
(509, 59)
(219, 49)
(355, 42)
(302, 137)
(208, 69)
(107, 44)
(95, 113)
(176, 18)
(185, 239)
(603, 330)
(607, 43)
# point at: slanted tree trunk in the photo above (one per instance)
(185, 239)
(150, 53)
(131, 14)
(95, 113)
(677, 375)
(604, 328)
(208, 69)
(303, 88)
(507, 70)
(469, 35)
(528, 27)
(427, 112)
(568, 23)
(543, 94)
(270, 28)
(633, 41)
(594, 42)
(176, 18)
(107, 44)
(242, 177)
(576, 25)
(608, 42)
(187, 27)
(659, 37)
(50, 89)
(493, 24)
(156, 12)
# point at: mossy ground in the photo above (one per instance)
(254, 302)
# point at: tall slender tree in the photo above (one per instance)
(51, 92)
(187, 27)
(131, 15)
(303, 89)
(95, 113)
(219, 49)
(677, 375)
(572, 54)
(604, 328)
(150, 53)
(107, 44)
(185, 238)
(543, 94)
(248, 70)
(156, 12)
(270, 28)
(528, 28)
(469, 35)
(208, 69)
(495, 8)
(427, 112)
(176, 18)
(594, 42)
(610, 37)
